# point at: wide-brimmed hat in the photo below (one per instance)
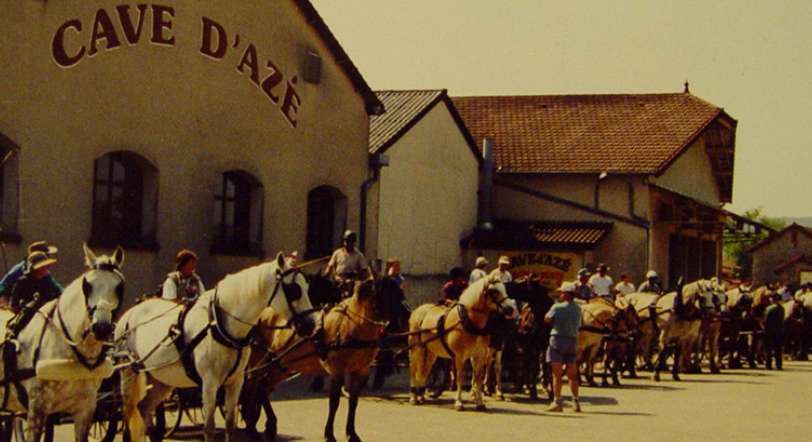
(568, 287)
(504, 260)
(350, 234)
(38, 260)
(583, 272)
(481, 261)
(652, 274)
(44, 247)
(603, 266)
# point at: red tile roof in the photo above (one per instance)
(639, 133)
(535, 235)
(403, 110)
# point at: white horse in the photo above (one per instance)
(62, 358)
(208, 348)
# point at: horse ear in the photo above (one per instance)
(90, 257)
(87, 289)
(118, 256)
(280, 260)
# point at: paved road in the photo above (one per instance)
(742, 405)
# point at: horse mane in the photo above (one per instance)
(472, 293)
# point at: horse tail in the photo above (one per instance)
(133, 390)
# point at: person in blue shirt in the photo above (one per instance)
(18, 270)
(565, 318)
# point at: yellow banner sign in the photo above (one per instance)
(552, 267)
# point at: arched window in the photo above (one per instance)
(326, 220)
(125, 199)
(9, 188)
(238, 215)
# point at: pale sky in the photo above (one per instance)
(752, 58)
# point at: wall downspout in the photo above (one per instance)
(362, 223)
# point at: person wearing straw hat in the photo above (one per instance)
(501, 272)
(33, 290)
(184, 284)
(479, 272)
(565, 318)
(18, 270)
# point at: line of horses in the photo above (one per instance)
(265, 324)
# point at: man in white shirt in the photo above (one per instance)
(479, 270)
(624, 287)
(601, 282)
(502, 273)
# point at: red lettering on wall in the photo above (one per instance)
(249, 58)
(206, 41)
(103, 29)
(131, 32)
(271, 81)
(58, 51)
(161, 24)
(290, 107)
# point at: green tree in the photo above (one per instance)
(736, 249)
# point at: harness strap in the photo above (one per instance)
(100, 358)
(467, 324)
(441, 332)
(187, 353)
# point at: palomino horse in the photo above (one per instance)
(205, 345)
(62, 355)
(344, 346)
(456, 333)
(609, 322)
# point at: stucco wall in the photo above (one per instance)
(623, 249)
(193, 116)
(428, 195)
(691, 174)
(778, 252)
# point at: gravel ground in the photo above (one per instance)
(740, 405)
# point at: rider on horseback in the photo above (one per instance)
(183, 285)
(29, 290)
(347, 264)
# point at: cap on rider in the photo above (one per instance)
(481, 262)
(44, 247)
(39, 263)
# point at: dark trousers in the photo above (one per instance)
(774, 347)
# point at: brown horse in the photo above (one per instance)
(607, 325)
(457, 333)
(343, 348)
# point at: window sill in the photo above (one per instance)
(145, 245)
(253, 250)
(11, 237)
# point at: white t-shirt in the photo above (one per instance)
(476, 275)
(505, 277)
(601, 285)
(625, 288)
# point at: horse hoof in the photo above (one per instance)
(500, 397)
(676, 377)
(330, 439)
(353, 438)
(459, 407)
(715, 370)
(481, 407)
(413, 401)
(656, 378)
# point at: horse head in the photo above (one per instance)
(103, 290)
(497, 298)
(292, 283)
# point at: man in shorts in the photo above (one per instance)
(565, 317)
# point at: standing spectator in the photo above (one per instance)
(583, 290)
(453, 288)
(652, 284)
(393, 272)
(624, 287)
(774, 332)
(501, 272)
(601, 282)
(479, 270)
(565, 318)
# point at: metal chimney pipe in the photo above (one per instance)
(486, 186)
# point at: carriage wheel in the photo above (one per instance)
(172, 408)
(104, 430)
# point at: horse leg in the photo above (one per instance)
(82, 419)
(497, 371)
(231, 396)
(336, 382)
(459, 365)
(271, 428)
(36, 421)
(357, 382)
(157, 394)
(715, 359)
(478, 365)
(417, 356)
(210, 388)
(133, 389)
(250, 406)
(677, 357)
(660, 362)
